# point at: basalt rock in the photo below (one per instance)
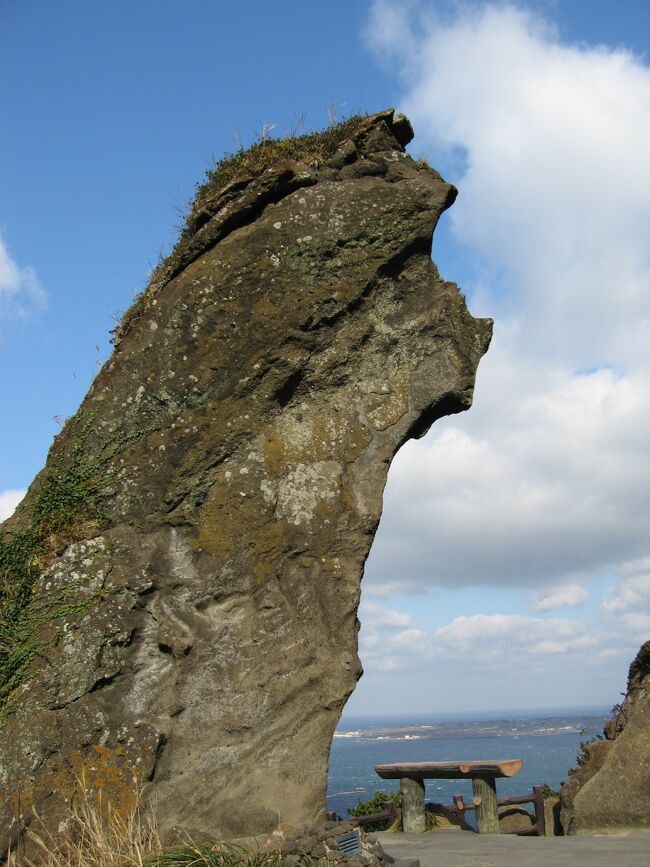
(610, 791)
(327, 844)
(512, 820)
(182, 610)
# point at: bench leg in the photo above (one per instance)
(485, 798)
(413, 818)
(540, 810)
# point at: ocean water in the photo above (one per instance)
(546, 741)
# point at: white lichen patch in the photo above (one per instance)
(306, 436)
(268, 492)
(74, 570)
(304, 488)
(182, 563)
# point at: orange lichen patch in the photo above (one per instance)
(348, 497)
(265, 309)
(218, 530)
(230, 523)
(267, 545)
(274, 456)
(107, 778)
(101, 777)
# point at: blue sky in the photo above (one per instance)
(523, 522)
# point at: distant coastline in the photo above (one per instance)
(422, 718)
(519, 724)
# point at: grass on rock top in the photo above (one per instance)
(269, 152)
(246, 163)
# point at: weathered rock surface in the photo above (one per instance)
(514, 819)
(611, 789)
(195, 626)
(552, 817)
(326, 844)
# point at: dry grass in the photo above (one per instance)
(94, 835)
(433, 822)
(247, 163)
(268, 152)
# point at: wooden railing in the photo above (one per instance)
(459, 808)
(538, 826)
(389, 814)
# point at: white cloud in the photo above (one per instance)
(378, 616)
(490, 642)
(495, 661)
(561, 597)
(8, 502)
(20, 291)
(542, 483)
(546, 481)
(632, 590)
(385, 589)
(545, 484)
(407, 636)
(636, 625)
(381, 627)
(508, 633)
(626, 610)
(555, 187)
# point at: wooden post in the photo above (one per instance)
(540, 810)
(485, 798)
(413, 818)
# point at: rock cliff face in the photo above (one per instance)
(611, 790)
(182, 581)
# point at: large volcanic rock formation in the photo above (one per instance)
(610, 791)
(182, 580)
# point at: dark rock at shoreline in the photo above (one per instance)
(611, 789)
(512, 819)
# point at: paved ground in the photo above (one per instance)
(464, 849)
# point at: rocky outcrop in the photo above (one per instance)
(324, 845)
(182, 580)
(513, 820)
(610, 790)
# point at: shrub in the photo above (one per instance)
(583, 754)
(63, 509)
(376, 804)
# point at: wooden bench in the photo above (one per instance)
(536, 798)
(482, 773)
